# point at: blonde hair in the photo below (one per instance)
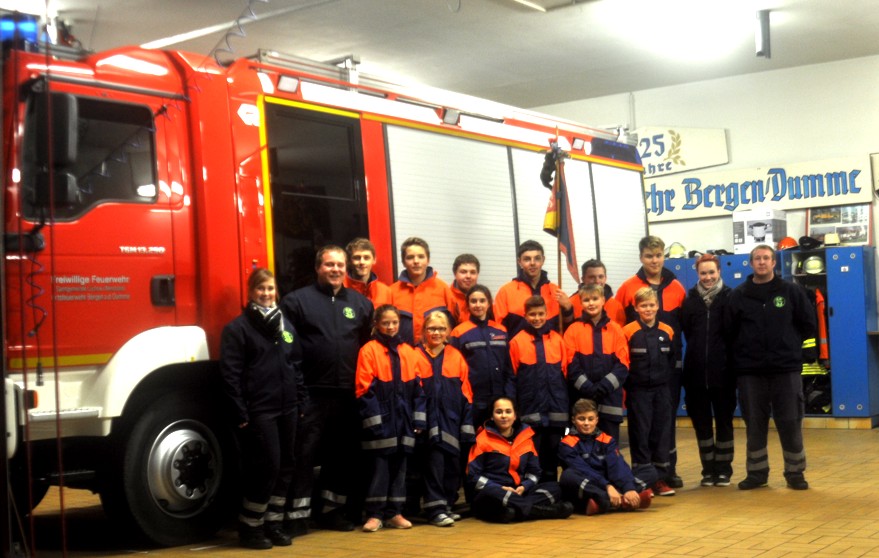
(591, 288)
(645, 293)
(435, 315)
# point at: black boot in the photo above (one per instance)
(253, 537)
(276, 534)
(295, 527)
(558, 510)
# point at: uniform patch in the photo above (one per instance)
(779, 301)
(348, 312)
(288, 337)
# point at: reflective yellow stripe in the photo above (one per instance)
(48, 361)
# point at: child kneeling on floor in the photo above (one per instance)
(596, 478)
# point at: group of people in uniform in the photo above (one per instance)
(401, 394)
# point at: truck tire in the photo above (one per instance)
(176, 476)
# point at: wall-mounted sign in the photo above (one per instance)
(794, 186)
(672, 150)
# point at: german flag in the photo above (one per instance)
(557, 220)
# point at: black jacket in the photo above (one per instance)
(261, 372)
(767, 325)
(332, 329)
(706, 359)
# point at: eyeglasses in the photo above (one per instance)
(437, 329)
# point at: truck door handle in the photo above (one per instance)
(162, 290)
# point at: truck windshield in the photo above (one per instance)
(115, 160)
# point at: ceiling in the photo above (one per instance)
(497, 49)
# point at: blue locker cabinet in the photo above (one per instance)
(684, 269)
(734, 269)
(848, 283)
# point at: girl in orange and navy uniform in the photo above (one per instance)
(443, 373)
(392, 408)
(503, 472)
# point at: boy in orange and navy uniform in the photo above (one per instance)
(419, 291)
(596, 478)
(594, 272)
(670, 295)
(540, 364)
(598, 354)
(465, 269)
(509, 304)
(652, 354)
(361, 260)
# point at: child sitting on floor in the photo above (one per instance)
(596, 478)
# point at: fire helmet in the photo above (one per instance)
(677, 250)
(809, 243)
(813, 265)
(787, 243)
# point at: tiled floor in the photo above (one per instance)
(838, 516)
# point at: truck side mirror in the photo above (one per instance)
(57, 188)
(57, 119)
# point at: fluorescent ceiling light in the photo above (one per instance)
(531, 5)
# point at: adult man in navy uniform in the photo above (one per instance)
(772, 327)
(333, 322)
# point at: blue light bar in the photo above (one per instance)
(19, 26)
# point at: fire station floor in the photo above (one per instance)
(837, 516)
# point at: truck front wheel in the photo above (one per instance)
(177, 471)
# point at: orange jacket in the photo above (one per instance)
(823, 343)
(444, 378)
(598, 364)
(671, 295)
(462, 311)
(540, 364)
(509, 304)
(416, 302)
(389, 392)
(494, 462)
(377, 292)
(612, 308)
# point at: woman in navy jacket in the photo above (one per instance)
(260, 366)
(709, 384)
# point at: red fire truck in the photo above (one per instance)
(141, 187)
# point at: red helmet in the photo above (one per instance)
(787, 243)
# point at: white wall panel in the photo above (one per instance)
(621, 220)
(455, 193)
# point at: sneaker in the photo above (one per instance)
(797, 482)
(674, 481)
(454, 516)
(708, 480)
(372, 525)
(399, 522)
(646, 498)
(592, 507)
(722, 480)
(442, 520)
(751, 483)
(663, 489)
